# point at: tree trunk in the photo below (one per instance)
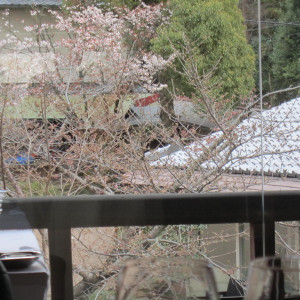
(167, 114)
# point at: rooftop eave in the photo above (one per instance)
(30, 3)
(28, 6)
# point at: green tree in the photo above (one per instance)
(286, 55)
(271, 10)
(209, 34)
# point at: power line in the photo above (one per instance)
(261, 126)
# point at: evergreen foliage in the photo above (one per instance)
(211, 34)
(286, 52)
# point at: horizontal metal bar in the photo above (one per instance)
(154, 209)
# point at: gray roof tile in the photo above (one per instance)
(8, 3)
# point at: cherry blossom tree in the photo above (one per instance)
(86, 65)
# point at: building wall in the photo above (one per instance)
(18, 18)
(18, 67)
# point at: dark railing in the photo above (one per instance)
(60, 214)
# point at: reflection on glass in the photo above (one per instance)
(167, 278)
(274, 278)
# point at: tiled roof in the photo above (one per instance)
(8, 3)
(281, 144)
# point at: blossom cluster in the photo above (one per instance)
(89, 45)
